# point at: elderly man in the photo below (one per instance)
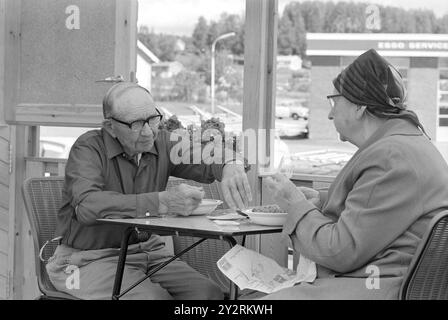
(363, 232)
(121, 171)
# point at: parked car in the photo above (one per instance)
(289, 128)
(299, 112)
(291, 109)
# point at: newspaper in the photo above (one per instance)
(249, 269)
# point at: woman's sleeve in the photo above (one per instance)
(381, 206)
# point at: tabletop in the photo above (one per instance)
(194, 226)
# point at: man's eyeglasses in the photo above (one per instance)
(331, 99)
(137, 125)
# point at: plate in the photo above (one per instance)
(206, 206)
(273, 219)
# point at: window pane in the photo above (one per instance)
(443, 97)
(443, 85)
(56, 142)
(443, 122)
(443, 109)
(291, 110)
(443, 73)
(181, 73)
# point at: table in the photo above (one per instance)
(195, 226)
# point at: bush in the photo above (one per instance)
(171, 124)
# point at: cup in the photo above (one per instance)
(286, 166)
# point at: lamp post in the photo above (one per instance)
(212, 87)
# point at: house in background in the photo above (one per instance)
(167, 69)
(145, 60)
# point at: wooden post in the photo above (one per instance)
(259, 100)
(11, 36)
(5, 233)
(17, 237)
(2, 59)
(259, 76)
(126, 35)
(5, 220)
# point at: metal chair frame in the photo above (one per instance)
(43, 197)
(427, 277)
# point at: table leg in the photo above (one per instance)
(121, 263)
(116, 295)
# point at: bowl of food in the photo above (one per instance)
(267, 215)
(206, 206)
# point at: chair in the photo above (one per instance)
(427, 277)
(43, 197)
(203, 257)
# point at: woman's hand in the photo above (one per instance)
(311, 195)
(284, 192)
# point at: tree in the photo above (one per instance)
(313, 13)
(167, 47)
(340, 19)
(356, 11)
(213, 33)
(187, 86)
(395, 20)
(329, 8)
(425, 21)
(163, 46)
(200, 34)
(442, 24)
(295, 29)
(205, 33)
(285, 38)
(232, 23)
(231, 82)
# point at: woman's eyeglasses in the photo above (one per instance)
(331, 99)
(137, 125)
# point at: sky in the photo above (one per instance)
(180, 16)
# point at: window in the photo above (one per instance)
(180, 56)
(56, 142)
(442, 130)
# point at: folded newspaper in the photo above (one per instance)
(249, 269)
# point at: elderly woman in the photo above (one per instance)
(363, 233)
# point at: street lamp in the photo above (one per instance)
(212, 88)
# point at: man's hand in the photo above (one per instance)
(235, 186)
(182, 199)
(312, 196)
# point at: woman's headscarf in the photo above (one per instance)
(373, 82)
